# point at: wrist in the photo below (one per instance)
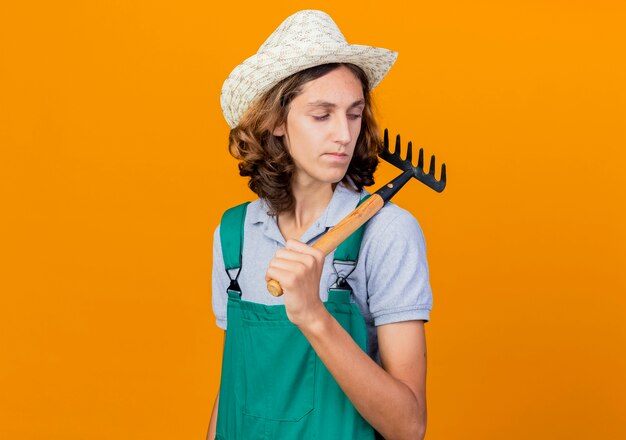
(315, 320)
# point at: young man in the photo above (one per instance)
(342, 354)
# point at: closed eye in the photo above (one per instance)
(321, 118)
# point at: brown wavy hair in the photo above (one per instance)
(264, 157)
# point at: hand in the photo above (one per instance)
(298, 269)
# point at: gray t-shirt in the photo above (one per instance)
(390, 281)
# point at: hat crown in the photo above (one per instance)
(303, 40)
(304, 28)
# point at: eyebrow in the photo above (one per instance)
(327, 104)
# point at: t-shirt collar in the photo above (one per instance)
(343, 201)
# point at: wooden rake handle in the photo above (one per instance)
(342, 230)
(376, 201)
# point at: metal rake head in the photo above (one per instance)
(407, 164)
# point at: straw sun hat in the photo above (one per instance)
(305, 39)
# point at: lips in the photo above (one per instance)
(337, 157)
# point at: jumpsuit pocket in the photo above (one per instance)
(279, 371)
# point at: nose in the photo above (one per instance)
(342, 130)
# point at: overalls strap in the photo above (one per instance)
(231, 238)
(348, 251)
(346, 254)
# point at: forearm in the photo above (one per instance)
(387, 403)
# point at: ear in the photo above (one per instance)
(279, 131)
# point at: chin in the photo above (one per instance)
(334, 179)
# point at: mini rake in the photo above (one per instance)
(366, 210)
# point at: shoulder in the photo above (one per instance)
(393, 221)
(255, 211)
(393, 232)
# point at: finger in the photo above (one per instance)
(284, 277)
(294, 255)
(296, 245)
(305, 261)
(304, 248)
(290, 264)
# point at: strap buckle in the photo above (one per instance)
(234, 285)
(342, 280)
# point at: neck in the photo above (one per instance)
(310, 201)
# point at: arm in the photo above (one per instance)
(219, 282)
(213, 422)
(403, 355)
(392, 399)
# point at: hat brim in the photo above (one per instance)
(259, 73)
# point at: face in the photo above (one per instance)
(323, 125)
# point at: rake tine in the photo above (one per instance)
(420, 160)
(431, 170)
(443, 173)
(398, 149)
(409, 153)
(386, 139)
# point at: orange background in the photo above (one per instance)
(114, 173)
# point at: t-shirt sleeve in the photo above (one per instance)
(219, 282)
(398, 281)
